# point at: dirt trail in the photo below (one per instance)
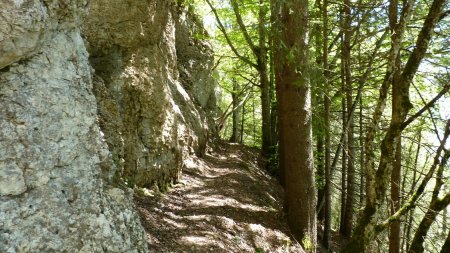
(223, 203)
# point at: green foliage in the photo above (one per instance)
(370, 18)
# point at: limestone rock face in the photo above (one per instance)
(54, 195)
(152, 118)
(94, 94)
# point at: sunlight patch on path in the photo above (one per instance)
(223, 203)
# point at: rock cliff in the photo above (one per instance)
(152, 119)
(95, 95)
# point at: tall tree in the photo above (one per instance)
(294, 110)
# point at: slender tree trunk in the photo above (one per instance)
(326, 98)
(361, 154)
(321, 176)
(262, 60)
(275, 17)
(242, 123)
(254, 120)
(344, 157)
(344, 128)
(236, 113)
(413, 186)
(361, 140)
(265, 109)
(350, 179)
(409, 165)
(273, 103)
(394, 230)
(320, 154)
(295, 107)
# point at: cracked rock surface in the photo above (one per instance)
(91, 98)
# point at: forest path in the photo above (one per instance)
(224, 203)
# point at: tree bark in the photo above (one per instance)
(294, 108)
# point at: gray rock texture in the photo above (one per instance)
(75, 125)
(152, 122)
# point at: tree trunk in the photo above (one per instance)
(254, 120)
(236, 113)
(262, 60)
(273, 103)
(275, 17)
(394, 229)
(321, 176)
(413, 186)
(294, 108)
(320, 131)
(361, 154)
(344, 153)
(326, 98)
(346, 228)
(241, 140)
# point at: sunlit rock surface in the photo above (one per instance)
(152, 118)
(63, 150)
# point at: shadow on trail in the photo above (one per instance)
(224, 203)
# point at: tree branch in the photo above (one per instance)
(227, 38)
(426, 107)
(242, 27)
(411, 201)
